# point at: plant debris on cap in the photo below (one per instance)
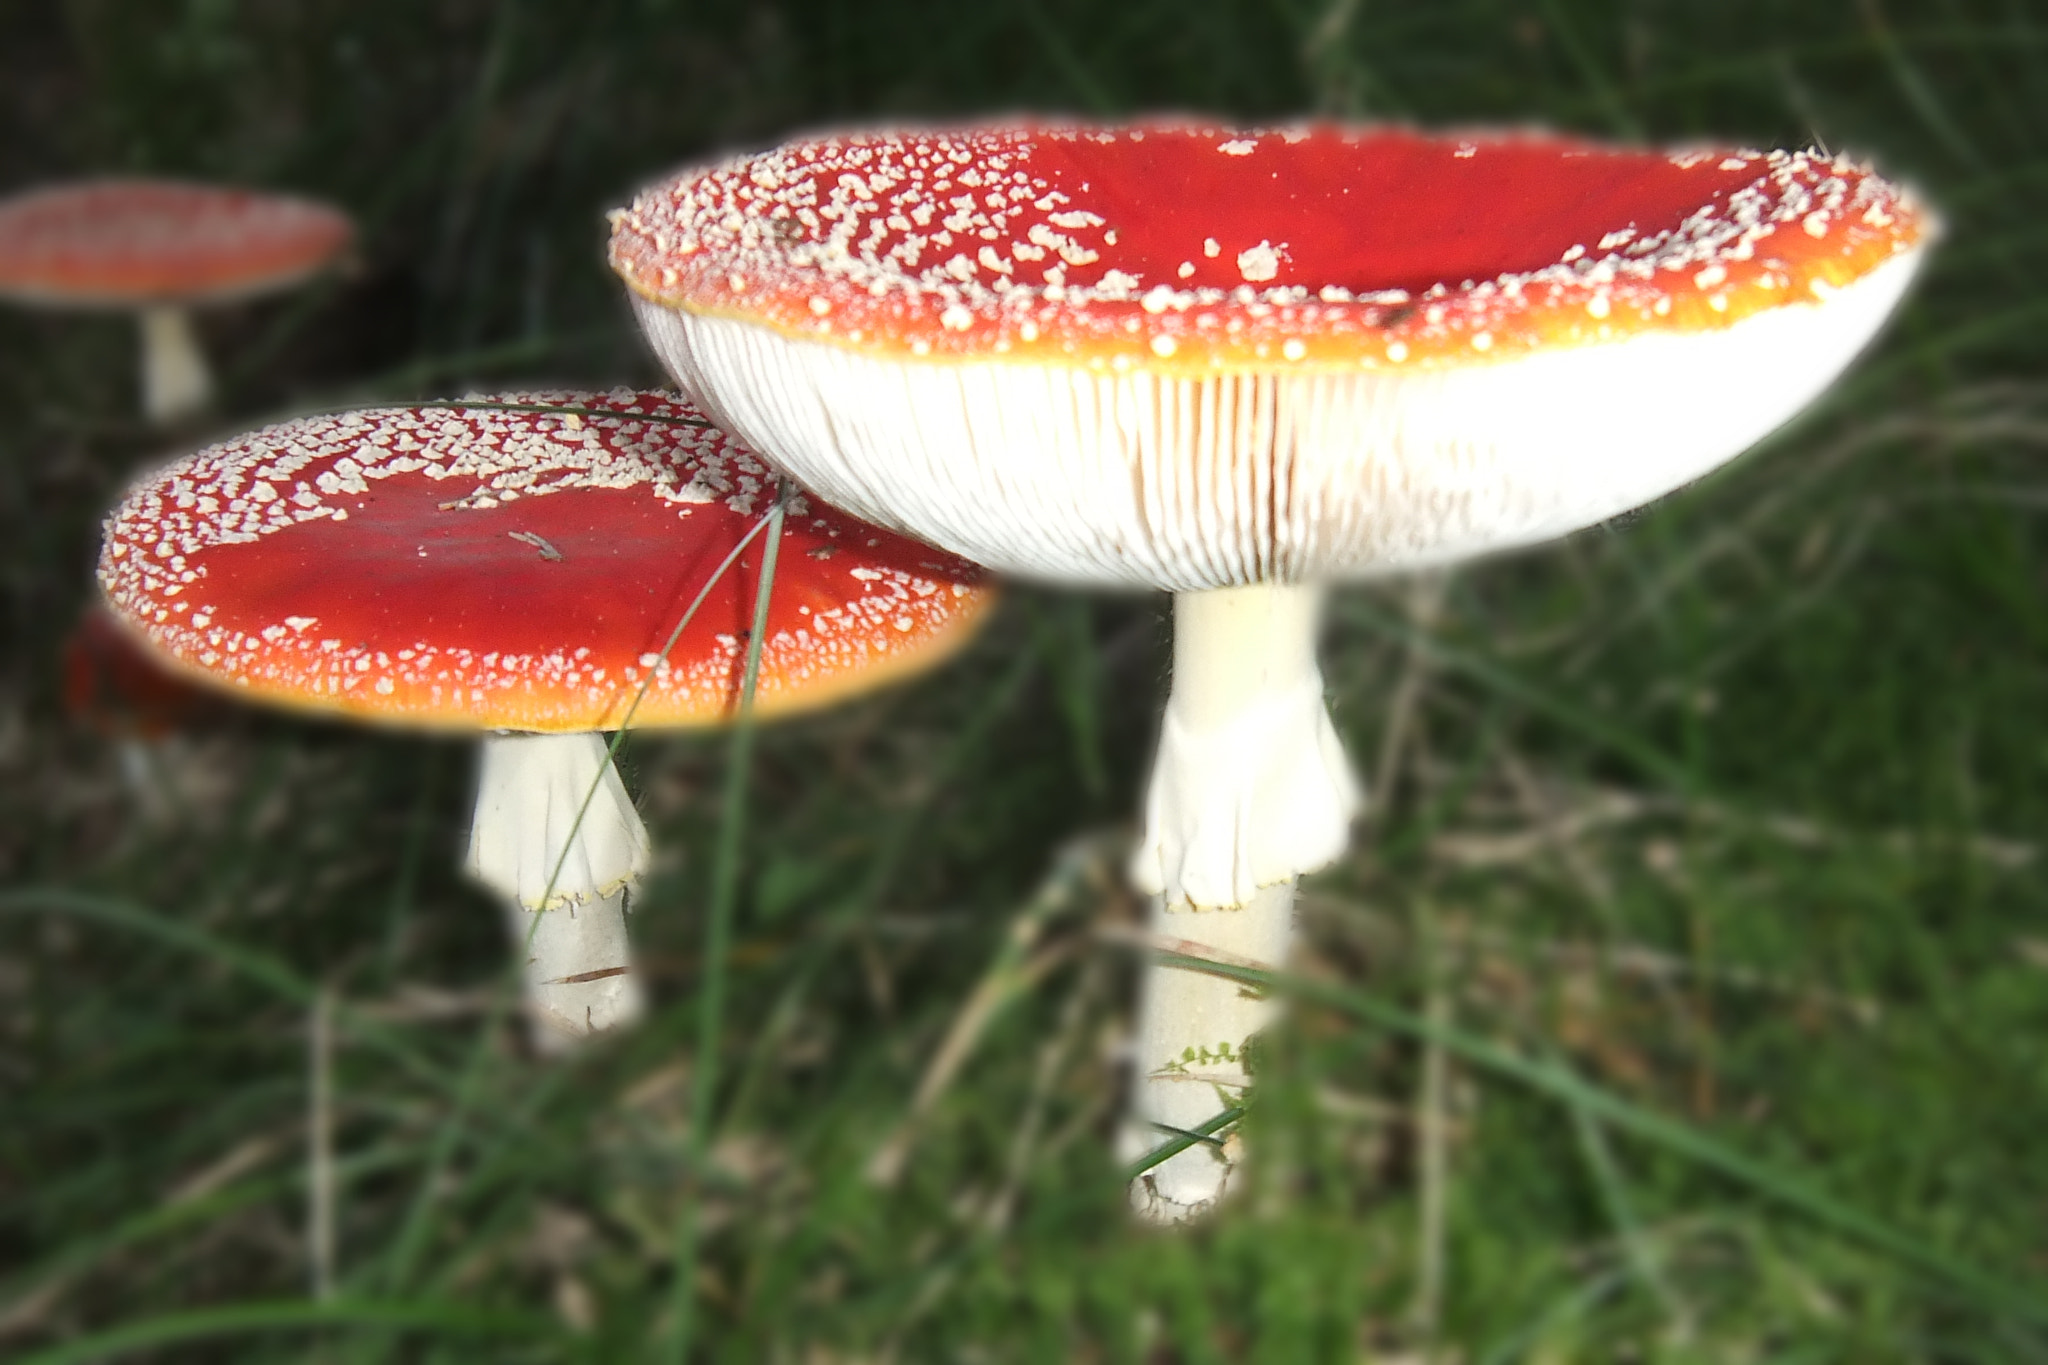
(121, 243)
(1192, 249)
(476, 566)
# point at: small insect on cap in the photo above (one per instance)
(124, 243)
(1189, 357)
(484, 568)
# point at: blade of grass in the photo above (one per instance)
(320, 1180)
(1613, 108)
(1584, 1296)
(1654, 762)
(1013, 972)
(439, 367)
(1087, 88)
(1912, 84)
(1641, 1256)
(1554, 1080)
(1183, 1138)
(842, 917)
(398, 907)
(261, 968)
(80, 1257)
(1064, 637)
(611, 752)
(1432, 1141)
(449, 1319)
(412, 1234)
(176, 933)
(718, 939)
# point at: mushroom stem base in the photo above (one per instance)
(579, 977)
(176, 382)
(557, 838)
(1193, 1029)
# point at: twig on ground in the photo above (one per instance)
(1432, 1162)
(1602, 808)
(320, 1185)
(1051, 1057)
(1009, 975)
(1425, 604)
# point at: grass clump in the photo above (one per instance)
(1686, 997)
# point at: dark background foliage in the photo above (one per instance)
(1721, 824)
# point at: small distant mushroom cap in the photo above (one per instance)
(121, 243)
(1203, 356)
(482, 568)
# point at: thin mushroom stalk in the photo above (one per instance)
(159, 249)
(1250, 789)
(176, 380)
(556, 837)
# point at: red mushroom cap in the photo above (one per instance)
(474, 567)
(119, 243)
(1192, 249)
(118, 687)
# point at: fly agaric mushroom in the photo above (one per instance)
(1237, 365)
(159, 248)
(520, 572)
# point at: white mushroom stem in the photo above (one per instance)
(176, 382)
(563, 871)
(1250, 789)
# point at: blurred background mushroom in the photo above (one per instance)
(160, 249)
(123, 693)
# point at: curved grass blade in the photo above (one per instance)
(496, 405)
(1556, 1081)
(457, 404)
(611, 751)
(444, 1319)
(261, 968)
(1651, 760)
(79, 1257)
(412, 1235)
(1182, 1139)
(718, 938)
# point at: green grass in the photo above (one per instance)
(1685, 998)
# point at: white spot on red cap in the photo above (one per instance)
(1259, 263)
